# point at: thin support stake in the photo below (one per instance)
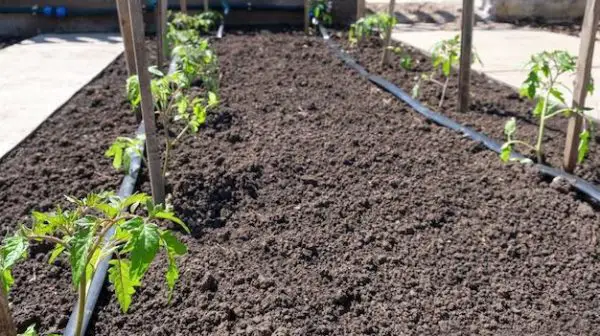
(7, 327)
(360, 9)
(206, 5)
(306, 15)
(584, 65)
(183, 6)
(147, 104)
(161, 31)
(388, 36)
(466, 59)
(125, 27)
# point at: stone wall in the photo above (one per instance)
(549, 10)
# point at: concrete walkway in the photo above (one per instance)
(40, 74)
(504, 53)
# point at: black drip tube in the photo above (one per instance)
(578, 183)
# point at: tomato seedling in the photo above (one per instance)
(365, 27)
(542, 83)
(406, 61)
(186, 29)
(444, 56)
(320, 12)
(82, 233)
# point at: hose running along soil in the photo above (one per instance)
(578, 183)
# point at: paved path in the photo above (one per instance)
(39, 75)
(504, 53)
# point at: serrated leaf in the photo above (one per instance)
(510, 127)
(124, 286)
(172, 275)
(584, 145)
(144, 246)
(155, 71)
(81, 243)
(172, 244)
(170, 216)
(6, 279)
(505, 152)
(558, 95)
(13, 250)
(58, 249)
(30, 331)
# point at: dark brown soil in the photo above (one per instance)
(492, 103)
(320, 205)
(65, 156)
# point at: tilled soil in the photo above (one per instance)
(65, 156)
(320, 205)
(492, 103)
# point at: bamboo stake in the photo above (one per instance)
(388, 36)
(466, 46)
(584, 65)
(147, 104)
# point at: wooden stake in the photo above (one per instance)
(466, 46)
(360, 9)
(161, 32)
(306, 15)
(388, 36)
(141, 63)
(125, 26)
(584, 65)
(7, 327)
(206, 5)
(183, 6)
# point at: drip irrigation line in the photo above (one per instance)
(578, 183)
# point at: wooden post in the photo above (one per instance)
(306, 15)
(206, 5)
(7, 327)
(141, 64)
(183, 6)
(161, 31)
(125, 26)
(584, 65)
(466, 46)
(360, 9)
(388, 36)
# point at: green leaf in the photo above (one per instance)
(510, 127)
(170, 216)
(90, 268)
(6, 279)
(123, 284)
(155, 71)
(30, 331)
(58, 249)
(558, 95)
(505, 152)
(134, 200)
(174, 248)
(144, 246)
(81, 243)
(213, 100)
(13, 250)
(584, 145)
(539, 107)
(133, 91)
(172, 244)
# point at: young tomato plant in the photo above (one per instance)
(175, 110)
(185, 29)
(365, 27)
(320, 12)
(406, 61)
(542, 83)
(444, 56)
(124, 149)
(198, 61)
(82, 234)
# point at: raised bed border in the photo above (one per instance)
(581, 185)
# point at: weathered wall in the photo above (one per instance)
(551, 10)
(26, 24)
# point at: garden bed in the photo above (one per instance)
(320, 205)
(492, 103)
(65, 156)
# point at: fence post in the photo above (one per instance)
(466, 46)
(147, 104)
(584, 65)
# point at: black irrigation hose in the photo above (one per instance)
(578, 183)
(127, 188)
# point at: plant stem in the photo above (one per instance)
(7, 326)
(538, 145)
(166, 159)
(48, 239)
(180, 134)
(444, 87)
(81, 305)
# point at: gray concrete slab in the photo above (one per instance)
(40, 74)
(504, 53)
